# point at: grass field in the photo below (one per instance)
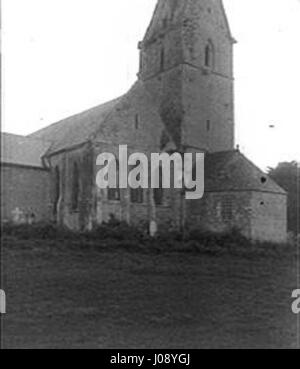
(71, 295)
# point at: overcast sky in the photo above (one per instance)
(64, 56)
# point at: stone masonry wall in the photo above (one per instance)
(269, 217)
(222, 211)
(80, 218)
(27, 189)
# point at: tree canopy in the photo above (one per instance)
(287, 175)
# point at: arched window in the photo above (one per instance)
(113, 194)
(75, 187)
(209, 55)
(56, 189)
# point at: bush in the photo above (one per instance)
(116, 230)
(40, 231)
(115, 235)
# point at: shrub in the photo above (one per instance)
(115, 235)
(41, 231)
(117, 230)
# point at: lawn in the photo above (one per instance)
(71, 295)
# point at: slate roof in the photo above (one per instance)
(175, 12)
(173, 9)
(232, 171)
(76, 129)
(21, 150)
(80, 128)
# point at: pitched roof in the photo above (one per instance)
(232, 171)
(173, 10)
(80, 128)
(172, 13)
(21, 150)
(75, 130)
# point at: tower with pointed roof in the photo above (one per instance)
(183, 101)
(186, 62)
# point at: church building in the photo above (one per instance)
(183, 100)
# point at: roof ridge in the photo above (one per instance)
(22, 150)
(223, 152)
(236, 172)
(63, 120)
(108, 115)
(269, 178)
(26, 137)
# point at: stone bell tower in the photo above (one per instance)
(186, 63)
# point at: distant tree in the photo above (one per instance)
(287, 175)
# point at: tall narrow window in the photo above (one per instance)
(158, 193)
(209, 55)
(162, 59)
(208, 125)
(56, 190)
(136, 194)
(227, 209)
(137, 122)
(75, 187)
(113, 194)
(141, 61)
